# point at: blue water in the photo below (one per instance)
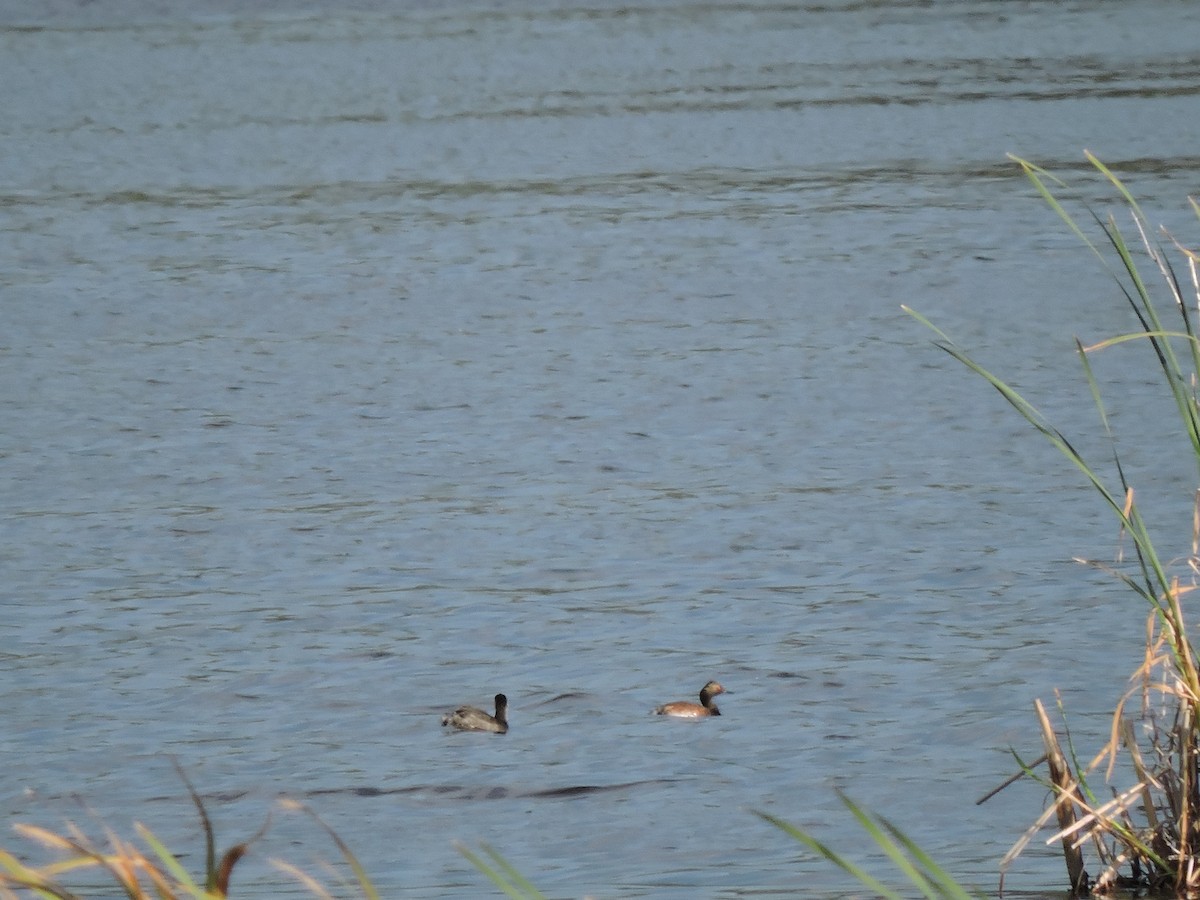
(361, 362)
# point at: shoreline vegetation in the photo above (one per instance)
(1140, 837)
(1144, 836)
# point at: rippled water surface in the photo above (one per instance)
(359, 362)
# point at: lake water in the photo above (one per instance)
(362, 361)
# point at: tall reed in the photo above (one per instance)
(1146, 835)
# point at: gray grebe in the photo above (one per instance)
(468, 718)
(687, 710)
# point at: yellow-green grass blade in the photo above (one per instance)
(360, 874)
(510, 871)
(497, 877)
(171, 864)
(33, 879)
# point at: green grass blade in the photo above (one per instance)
(1117, 183)
(1032, 415)
(1029, 412)
(926, 875)
(1145, 307)
(1039, 176)
(892, 849)
(1147, 558)
(822, 850)
(946, 884)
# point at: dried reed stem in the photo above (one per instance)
(1064, 805)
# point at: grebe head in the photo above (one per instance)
(709, 691)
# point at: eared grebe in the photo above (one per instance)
(468, 718)
(687, 710)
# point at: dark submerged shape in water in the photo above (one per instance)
(468, 718)
(686, 710)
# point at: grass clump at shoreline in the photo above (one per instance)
(152, 871)
(1146, 835)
